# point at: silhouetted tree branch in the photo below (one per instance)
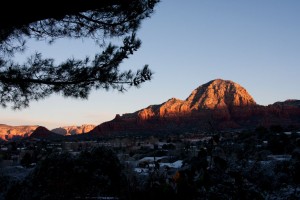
(98, 20)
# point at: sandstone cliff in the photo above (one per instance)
(73, 130)
(9, 132)
(223, 103)
(215, 95)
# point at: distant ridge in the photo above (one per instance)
(8, 132)
(73, 130)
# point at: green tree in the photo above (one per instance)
(98, 20)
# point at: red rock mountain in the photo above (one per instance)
(220, 103)
(9, 132)
(73, 130)
(214, 95)
(13, 132)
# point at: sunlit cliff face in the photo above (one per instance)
(9, 132)
(219, 94)
(74, 130)
(216, 94)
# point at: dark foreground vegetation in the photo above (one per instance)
(260, 164)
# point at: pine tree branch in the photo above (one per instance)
(99, 20)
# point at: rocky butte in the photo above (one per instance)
(218, 104)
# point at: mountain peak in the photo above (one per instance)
(219, 81)
(219, 93)
(216, 94)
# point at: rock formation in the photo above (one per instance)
(219, 104)
(13, 132)
(73, 130)
(9, 132)
(214, 95)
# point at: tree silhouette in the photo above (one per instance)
(101, 21)
(89, 175)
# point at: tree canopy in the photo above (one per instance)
(89, 175)
(40, 77)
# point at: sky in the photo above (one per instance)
(186, 44)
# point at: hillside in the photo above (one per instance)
(218, 104)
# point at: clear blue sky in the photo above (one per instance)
(187, 43)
